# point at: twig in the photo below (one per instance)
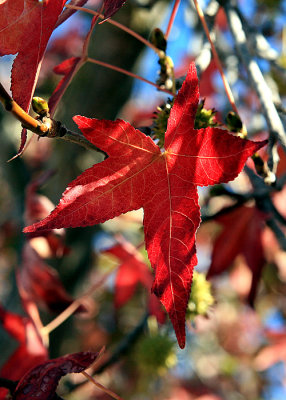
(79, 64)
(172, 18)
(216, 58)
(125, 72)
(49, 128)
(72, 307)
(26, 120)
(103, 388)
(123, 348)
(279, 234)
(203, 59)
(125, 345)
(117, 24)
(262, 90)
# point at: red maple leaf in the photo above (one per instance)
(241, 234)
(41, 382)
(26, 26)
(138, 174)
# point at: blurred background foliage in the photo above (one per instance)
(233, 351)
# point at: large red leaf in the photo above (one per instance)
(41, 382)
(241, 234)
(138, 174)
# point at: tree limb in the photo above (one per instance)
(45, 127)
(258, 82)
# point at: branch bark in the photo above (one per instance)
(46, 127)
(255, 75)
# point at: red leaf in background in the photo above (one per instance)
(241, 234)
(131, 271)
(111, 7)
(30, 352)
(26, 27)
(207, 87)
(137, 174)
(40, 283)
(67, 69)
(41, 382)
(38, 207)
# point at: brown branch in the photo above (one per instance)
(26, 120)
(44, 127)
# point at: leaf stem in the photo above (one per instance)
(118, 25)
(125, 72)
(216, 58)
(172, 18)
(108, 391)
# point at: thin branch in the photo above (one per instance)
(125, 72)
(118, 25)
(72, 307)
(76, 138)
(26, 120)
(123, 348)
(88, 36)
(279, 234)
(262, 90)
(203, 59)
(103, 388)
(79, 64)
(47, 128)
(172, 18)
(125, 345)
(216, 58)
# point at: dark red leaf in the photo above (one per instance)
(138, 174)
(241, 234)
(131, 271)
(111, 7)
(40, 283)
(41, 382)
